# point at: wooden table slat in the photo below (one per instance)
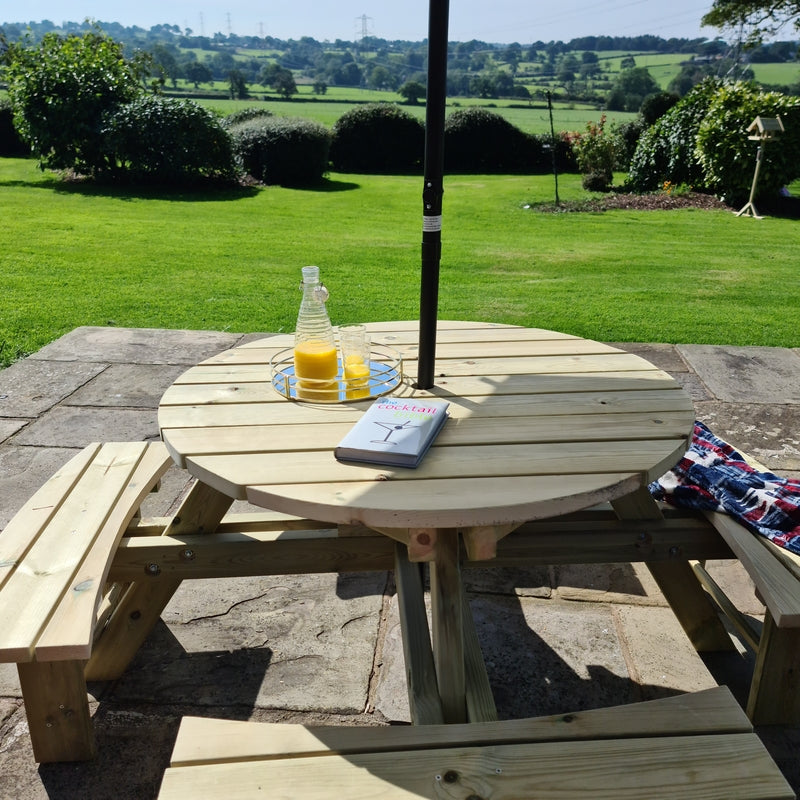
(454, 502)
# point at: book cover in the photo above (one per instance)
(394, 432)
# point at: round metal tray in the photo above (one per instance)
(385, 374)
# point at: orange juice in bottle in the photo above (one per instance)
(315, 362)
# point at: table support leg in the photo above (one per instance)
(423, 693)
(448, 626)
(480, 700)
(140, 608)
(678, 583)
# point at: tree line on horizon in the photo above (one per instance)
(187, 38)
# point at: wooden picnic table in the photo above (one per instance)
(542, 424)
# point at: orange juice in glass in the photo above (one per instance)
(354, 341)
(316, 366)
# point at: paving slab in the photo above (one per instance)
(769, 433)
(29, 387)
(8, 427)
(529, 582)
(136, 345)
(77, 426)
(658, 653)
(608, 583)
(127, 386)
(299, 642)
(542, 657)
(664, 356)
(23, 470)
(733, 579)
(766, 375)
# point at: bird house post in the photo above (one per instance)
(761, 130)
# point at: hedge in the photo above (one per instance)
(284, 151)
(378, 138)
(166, 140)
(480, 141)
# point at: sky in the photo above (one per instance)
(503, 21)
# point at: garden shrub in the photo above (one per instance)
(626, 137)
(283, 151)
(595, 182)
(11, 143)
(595, 155)
(378, 138)
(166, 140)
(542, 157)
(728, 157)
(702, 142)
(481, 141)
(654, 106)
(245, 115)
(60, 90)
(666, 150)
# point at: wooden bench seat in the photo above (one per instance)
(689, 746)
(54, 558)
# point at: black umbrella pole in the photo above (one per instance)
(433, 190)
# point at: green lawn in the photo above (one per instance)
(78, 255)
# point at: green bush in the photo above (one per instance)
(481, 141)
(542, 159)
(60, 90)
(245, 115)
(595, 182)
(283, 151)
(654, 106)
(378, 138)
(11, 143)
(666, 150)
(626, 137)
(166, 140)
(595, 154)
(702, 142)
(728, 157)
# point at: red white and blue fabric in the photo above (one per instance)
(714, 476)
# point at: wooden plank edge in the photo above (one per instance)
(208, 741)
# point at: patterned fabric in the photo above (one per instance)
(714, 476)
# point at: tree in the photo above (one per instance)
(412, 91)
(238, 85)
(165, 64)
(284, 84)
(348, 75)
(634, 85)
(60, 91)
(278, 78)
(381, 78)
(198, 73)
(761, 18)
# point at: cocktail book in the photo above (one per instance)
(394, 432)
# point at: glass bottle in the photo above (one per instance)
(315, 361)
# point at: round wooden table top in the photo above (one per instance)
(541, 424)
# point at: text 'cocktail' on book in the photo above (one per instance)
(394, 432)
